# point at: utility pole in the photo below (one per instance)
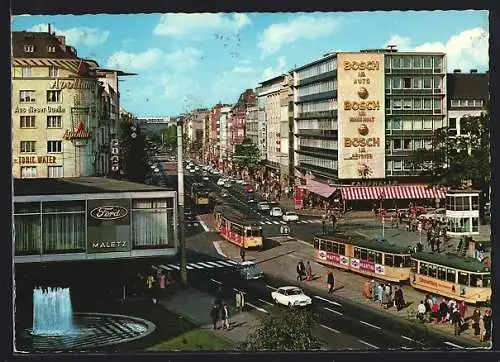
(180, 200)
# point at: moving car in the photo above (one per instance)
(248, 270)
(227, 184)
(239, 181)
(205, 178)
(438, 214)
(276, 211)
(192, 170)
(290, 216)
(263, 206)
(291, 297)
(156, 169)
(196, 168)
(221, 182)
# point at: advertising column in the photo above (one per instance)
(361, 115)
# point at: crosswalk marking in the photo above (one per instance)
(269, 222)
(165, 267)
(174, 266)
(283, 222)
(196, 266)
(216, 264)
(206, 265)
(189, 266)
(276, 222)
(232, 261)
(223, 262)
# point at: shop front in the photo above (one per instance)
(92, 218)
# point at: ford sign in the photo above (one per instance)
(109, 212)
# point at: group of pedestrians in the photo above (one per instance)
(384, 294)
(220, 309)
(304, 271)
(452, 312)
(154, 286)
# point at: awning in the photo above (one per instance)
(391, 192)
(319, 188)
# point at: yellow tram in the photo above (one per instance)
(237, 228)
(372, 257)
(451, 276)
(199, 195)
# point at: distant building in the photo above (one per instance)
(155, 124)
(236, 127)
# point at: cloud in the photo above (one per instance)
(297, 28)
(76, 36)
(467, 50)
(279, 69)
(154, 58)
(197, 26)
(239, 69)
(128, 41)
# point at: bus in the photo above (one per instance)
(451, 276)
(237, 228)
(376, 258)
(199, 195)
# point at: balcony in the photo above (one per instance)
(318, 114)
(409, 92)
(414, 71)
(410, 133)
(316, 78)
(317, 96)
(328, 172)
(330, 154)
(317, 133)
(409, 112)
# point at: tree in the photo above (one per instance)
(292, 331)
(170, 136)
(134, 152)
(247, 155)
(459, 161)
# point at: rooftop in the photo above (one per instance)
(468, 85)
(452, 261)
(40, 42)
(78, 185)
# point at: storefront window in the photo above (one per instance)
(152, 224)
(475, 224)
(466, 203)
(27, 228)
(63, 227)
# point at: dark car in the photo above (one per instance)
(188, 215)
(248, 270)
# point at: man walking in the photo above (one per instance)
(214, 314)
(242, 253)
(309, 271)
(456, 321)
(330, 282)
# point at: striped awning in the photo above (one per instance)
(392, 192)
(319, 188)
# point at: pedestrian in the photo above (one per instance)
(237, 298)
(302, 270)
(399, 299)
(476, 320)
(225, 316)
(242, 253)
(299, 275)
(462, 309)
(366, 289)
(309, 271)
(380, 291)
(456, 321)
(421, 310)
(334, 222)
(323, 221)
(330, 282)
(373, 289)
(487, 326)
(242, 300)
(214, 314)
(149, 287)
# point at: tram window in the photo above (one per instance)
(414, 264)
(378, 258)
(364, 254)
(441, 273)
(398, 261)
(357, 253)
(329, 246)
(432, 271)
(256, 232)
(476, 280)
(316, 244)
(463, 278)
(407, 261)
(341, 249)
(371, 256)
(451, 275)
(423, 268)
(335, 248)
(248, 233)
(486, 281)
(389, 260)
(322, 245)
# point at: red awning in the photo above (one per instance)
(319, 188)
(392, 192)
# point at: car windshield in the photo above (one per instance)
(251, 268)
(294, 292)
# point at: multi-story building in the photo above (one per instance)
(155, 124)
(261, 126)
(214, 131)
(236, 128)
(467, 96)
(225, 115)
(286, 133)
(252, 125)
(56, 105)
(356, 124)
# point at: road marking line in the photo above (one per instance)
(328, 300)
(276, 222)
(165, 267)
(333, 311)
(154, 267)
(329, 328)
(232, 262)
(216, 281)
(367, 344)
(241, 291)
(370, 325)
(268, 286)
(254, 306)
(205, 227)
(206, 265)
(196, 266)
(218, 249)
(223, 262)
(407, 338)
(362, 234)
(453, 345)
(269, 222)
(188, 266)
(175, 266)
(283, 222)
(265, 301)
(214, 263)
(262, 223)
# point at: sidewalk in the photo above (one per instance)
(195, 306)
(288, 204)
(280, 262)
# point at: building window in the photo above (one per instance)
(427, 123)
(28, 146)
(407, 82)
(54, 96)
(437, 64)
(388, 166)
(26, 71)
(396, 124)
(27, 121)
(407, 144)
(407, 125)
(437, 103)
(438, 123)
(27, 96)
(454, 103)
(27, 228)
(428, 144)
(54, 122)
(396, 83)
(417, 62)
(407, 104)
(396, 144)
(53, 72)
(427, 103)
(417, 124)
(29, 48)
(397, 104)
(417, 103)
(452, 123)
(152, 223)
(398, 165)
(396, 62)
(54, 146)
(51, 49)
(427, 82)
(55, 171)
(417, 82)
(437, 82)
(418, 144)
(478, 103)
(427, 62)
(28, 171)
(407, 62)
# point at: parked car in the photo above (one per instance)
(290, 216)
(225, 193)
(438, 214)
(192, 170)
(248, 270)
(276, 211)
(262, 206)
(291, 297)
(221, 182)
(227, 184)
(205, 178)
(196, 168)
(239, 181)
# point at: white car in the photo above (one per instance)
(196, 168)
(438, 214)
(290, 216)
(156, 169)
(227, 184)
(191, 170)
(291, 297)
(276, 211)
(205, 178)
(221, 182)
(239, 181)
(263, 206)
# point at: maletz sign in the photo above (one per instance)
(108, 226)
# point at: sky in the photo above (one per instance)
(187, 61)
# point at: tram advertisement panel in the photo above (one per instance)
(379, 269)
(355, 263)
(367, 265)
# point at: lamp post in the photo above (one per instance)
(180, 201)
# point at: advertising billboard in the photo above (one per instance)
(361, 115)
(108, 225)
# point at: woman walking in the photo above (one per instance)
(330, 282)
(225, 316)
(214, 314)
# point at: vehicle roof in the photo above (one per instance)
(289, 287)
(377, 244)
(237, 217)
(453, 261)
(247, 263)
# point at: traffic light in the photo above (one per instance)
(133, 131)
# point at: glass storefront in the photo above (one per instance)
(152, 223)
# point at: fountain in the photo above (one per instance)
(52, 312)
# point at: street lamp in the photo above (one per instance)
(180, 201)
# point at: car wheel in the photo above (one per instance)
(290, 305)
(275, 300)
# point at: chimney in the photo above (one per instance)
(50, 30)
(473, 70)
(457, 71)
(392, 47)
(62, 40)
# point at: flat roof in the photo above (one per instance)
(452, 261)
(78, 185)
